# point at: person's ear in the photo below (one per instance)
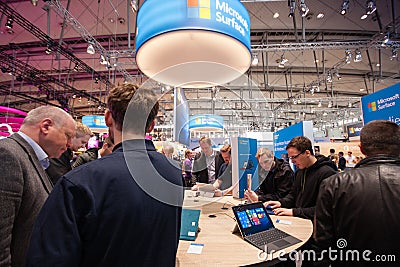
(45, 125)
(361, 148)
(108, 118)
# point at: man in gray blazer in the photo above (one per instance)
(24, 186)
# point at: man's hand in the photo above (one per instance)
(273, 204)
(251, 195)
(283, 212)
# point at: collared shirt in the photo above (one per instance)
(210, 161)
(41, 155)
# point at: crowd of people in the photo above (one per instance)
(105, 209)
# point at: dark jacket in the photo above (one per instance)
(303, 195)
(108, 213)
(342, 163)
(200, 172)
(87, 156)
(362, 206)
(59, 167)
(278, 182)
(225, 175)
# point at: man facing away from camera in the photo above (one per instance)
(360, 207)
(110, 212)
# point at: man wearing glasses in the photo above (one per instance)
(301, 200)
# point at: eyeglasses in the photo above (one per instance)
(294, 157)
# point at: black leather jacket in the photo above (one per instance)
(362, 206)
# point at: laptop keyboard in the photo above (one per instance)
(265, 237)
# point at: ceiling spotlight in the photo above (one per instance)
(319, 104)
(348, 56)
(276, 15)
(90, 49)
(292, 6)
(76, 67)
(134, 6)
(395, 54)
(96, 80)
(9, 23)
(329, 104)
(320, 15)
(103, 60)
(48, 50)
(329, 77)
(345, 7)
(282, 61)
(303, 9)
(349, 105)
(386, 40)
(364, 16)
(338, 75)
(358, 56)
(34, 2)
(371, 7)
(255, 60)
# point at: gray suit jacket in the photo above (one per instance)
(24, 187)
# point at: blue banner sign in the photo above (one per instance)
(207, 121)
(244, 163)
(228, 17)
(382, 105)
(283, 137)
(94, 121)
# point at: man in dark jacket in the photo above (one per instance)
(360, 207)
(275, 176)
(301, 200)
(341, 161)
(110, 212)
(94, 153)
(206, 164)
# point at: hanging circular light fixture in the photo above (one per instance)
(193, 43)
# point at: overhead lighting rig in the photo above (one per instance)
(357, 56)
(303, 9)
(9, 23)
(292, 7)
(345, 7)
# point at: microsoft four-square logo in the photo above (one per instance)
(198, 9)
(372, 106)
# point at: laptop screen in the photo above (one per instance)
(252, 218)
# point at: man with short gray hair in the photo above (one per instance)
(24, 186)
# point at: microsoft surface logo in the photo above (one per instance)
(198, 9)
(351, 130)
(372, 106)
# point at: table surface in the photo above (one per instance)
(221, 247)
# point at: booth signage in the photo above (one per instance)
(228, 17)
(382, 105)
(94, 121)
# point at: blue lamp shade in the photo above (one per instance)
(206, 123)
(193, 43)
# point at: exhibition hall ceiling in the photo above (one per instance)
(44, 59)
